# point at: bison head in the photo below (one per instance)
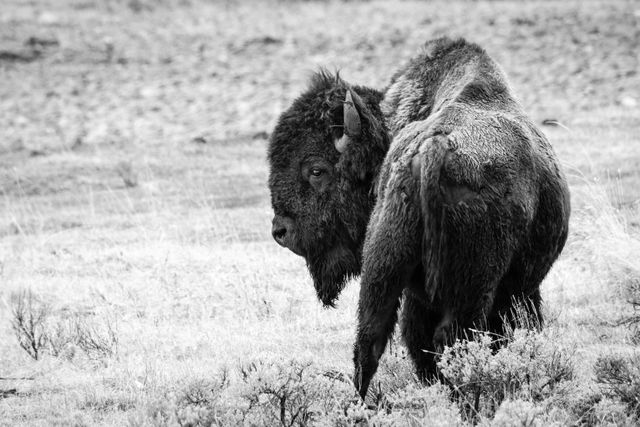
(324, 154)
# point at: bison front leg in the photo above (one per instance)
(390, 253)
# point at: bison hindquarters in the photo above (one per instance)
(432, 221)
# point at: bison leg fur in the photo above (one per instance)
(392, 250)
(418, 323)
(376, 325)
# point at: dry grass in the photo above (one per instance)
(133, 191)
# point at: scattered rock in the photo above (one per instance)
(256, 41)
(48, 18)
(199, 140)
(139, 6)
(109, 49)
(37, 153)
(21, 120)
(260, 135)
(77, 143)
(628, 101)
(22, 55)
(16, 145)
(32, 49)
(8, 392)
(127, 173)
(523, 22)
(263, 40)
(41, 42)
(149, 92)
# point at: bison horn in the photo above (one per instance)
(342, 143)
(351, 123)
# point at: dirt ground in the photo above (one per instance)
(133, 177)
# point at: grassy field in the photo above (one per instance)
(134, 204)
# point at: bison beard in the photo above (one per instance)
(330, 272)
(469, 211)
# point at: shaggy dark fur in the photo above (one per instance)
(465, 211)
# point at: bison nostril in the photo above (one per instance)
(278, 234)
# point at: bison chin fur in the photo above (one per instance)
(331, 271)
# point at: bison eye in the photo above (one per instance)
(316, 171)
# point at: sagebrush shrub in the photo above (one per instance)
(527, 368)
(395, 372)
(611, 412)
(39, 330)
(633, 290)
(97, 339)
(521, 413)
(620, 377)
(291, 393)
(204, 392)
(417, 405)
(200, 402)
(572, 403)
(29, 317)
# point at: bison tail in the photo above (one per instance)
(434, 240)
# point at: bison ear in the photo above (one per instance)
(351, 123)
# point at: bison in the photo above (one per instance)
(439, 191)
